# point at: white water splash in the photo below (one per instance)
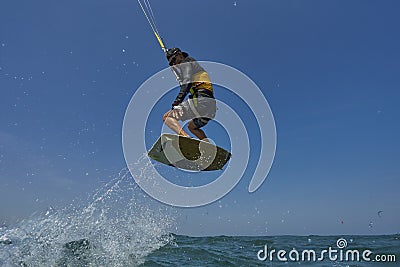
(119, 227)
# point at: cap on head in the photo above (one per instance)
(172, 51)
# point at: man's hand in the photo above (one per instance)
(176, 112)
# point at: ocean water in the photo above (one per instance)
(121, 226)
(178, 250)
(242, 251)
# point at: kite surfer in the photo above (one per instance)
(198, 110)
(200, 107)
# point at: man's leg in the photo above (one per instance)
(170, 119)
(196, 131)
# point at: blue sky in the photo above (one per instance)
(329, 70)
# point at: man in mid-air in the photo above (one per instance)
(200, 107)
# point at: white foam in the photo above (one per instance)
(118, 227)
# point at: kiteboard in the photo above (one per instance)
(188, 153)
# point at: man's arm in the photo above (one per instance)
(185, 83)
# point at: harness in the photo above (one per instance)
(196, 91)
